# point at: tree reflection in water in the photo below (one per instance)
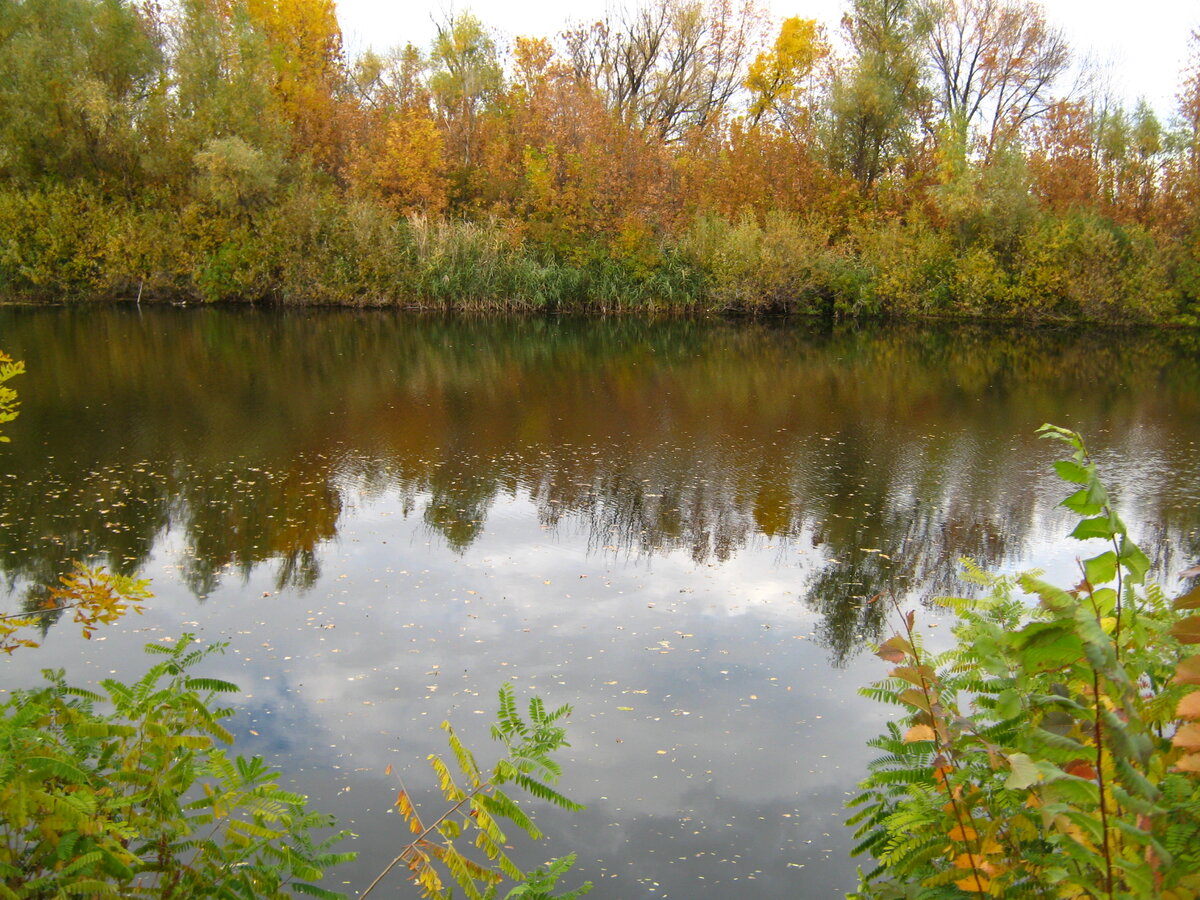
(883, 455)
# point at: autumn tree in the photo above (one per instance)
(1182, 181)
(1189, 115)
(309, 74)
(402, 165)
(400, 159)
(995, 64)
(778, 79)
(1063, 156)
(670, 66)
(562, 164)
(877, 100)
(76, 79)
(747, 169)
(393, 81)
(466, 76)
(221, 123)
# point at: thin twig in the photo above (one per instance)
(486, 786)
(1098, 732)
(954, 801)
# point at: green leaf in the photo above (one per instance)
(1047, 645)
(313, 890)
(211, 684)
(1100, 569)
(1134, 560)
(46, 765)
(91, 886)
(1069, 470)
(1024, 772)
(1083, 502)
(1096, 527)
(1008, 704)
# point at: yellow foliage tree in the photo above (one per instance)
(306, 50)
(402, 164)
(776, 77)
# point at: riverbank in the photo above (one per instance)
(317, 247)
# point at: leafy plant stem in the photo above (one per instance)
(908, 620)
(1120, 574)
(1098, 730)
(483, 788)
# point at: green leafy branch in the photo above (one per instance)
(96, 803)
(9, 368)
(477, 804)
(1053, 751)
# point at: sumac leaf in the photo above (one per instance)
(1024, 772)
(1187, 631)
(1188, 671)
(919, 733)
(1187, 737)
(894, 650)
(958, 833)
(1189, 706)
(1190, 600)
(1189, 763)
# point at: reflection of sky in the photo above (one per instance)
(710, 738)
(678, 541)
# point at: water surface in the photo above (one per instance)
(674, 526)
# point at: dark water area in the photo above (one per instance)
(674, 526)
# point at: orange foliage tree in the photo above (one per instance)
(559, 160)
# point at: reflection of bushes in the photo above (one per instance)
(653, 437)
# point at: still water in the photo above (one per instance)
(673, 526)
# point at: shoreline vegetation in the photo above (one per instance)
(683, 155)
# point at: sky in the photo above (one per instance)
(1143, 45)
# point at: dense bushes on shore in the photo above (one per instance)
(315, 247)
(230, 151)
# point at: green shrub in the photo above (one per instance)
(1053, 750)
(127, 793)
(783, 264)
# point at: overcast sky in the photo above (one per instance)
(1143, 43)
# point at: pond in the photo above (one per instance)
(675, 526)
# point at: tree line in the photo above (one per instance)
(923, 157)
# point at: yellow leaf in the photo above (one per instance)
(919, 733)
(1189, 706)
(962, 835)
(1188, 737)
(975, 883)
